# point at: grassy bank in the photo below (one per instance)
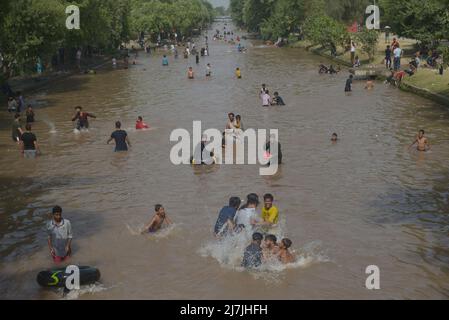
(426, 82)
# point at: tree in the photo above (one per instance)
(255, 12)
(368, 40)
(236, 8)
(325, 31)
(426, 21)
(31, 29)
(286, 18)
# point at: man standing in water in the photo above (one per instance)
(266, 99)
(421, 141)
(159, 218)
(190, 73)
(121, 138)
(165, 61)
(29, 144)
(59, 232)
(16, 129)
(348, 86)
(82, 117)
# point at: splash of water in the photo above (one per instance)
(88, 289)
(164, 232)
(229, 251)
(51, 125)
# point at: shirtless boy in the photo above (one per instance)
(421, 142)
(159, 218)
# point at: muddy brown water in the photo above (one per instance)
(365, 201)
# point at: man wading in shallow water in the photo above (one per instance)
(421, 142)
(121, 138)
(59, 232)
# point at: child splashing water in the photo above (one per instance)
(245, 241)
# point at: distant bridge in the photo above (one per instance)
(223, 19)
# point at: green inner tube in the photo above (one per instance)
(56, 278)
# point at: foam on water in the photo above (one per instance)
(88, 289)
(229, 253)
(76, 131)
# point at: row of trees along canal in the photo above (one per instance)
(325, 22)
(36, 29)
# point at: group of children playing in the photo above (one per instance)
(234, 218)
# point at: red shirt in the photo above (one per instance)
(141, 125)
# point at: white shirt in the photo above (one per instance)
(244, 216)
(352, 48)
(266, 99)
(397, 52)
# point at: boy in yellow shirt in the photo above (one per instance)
(270, 214)
(238, 73)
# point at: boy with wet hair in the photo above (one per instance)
(277, 100)
(82, 118)
(334, 137)
(157, 221)
(285, 256)
(271, 247)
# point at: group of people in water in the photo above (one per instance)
(236, 218)
(232, 220)
(267, 100)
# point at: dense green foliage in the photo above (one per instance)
(368, 41)
(32, 29)
(181, 16)
(325, 31)
(426, 21)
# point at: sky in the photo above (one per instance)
(220, 3)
